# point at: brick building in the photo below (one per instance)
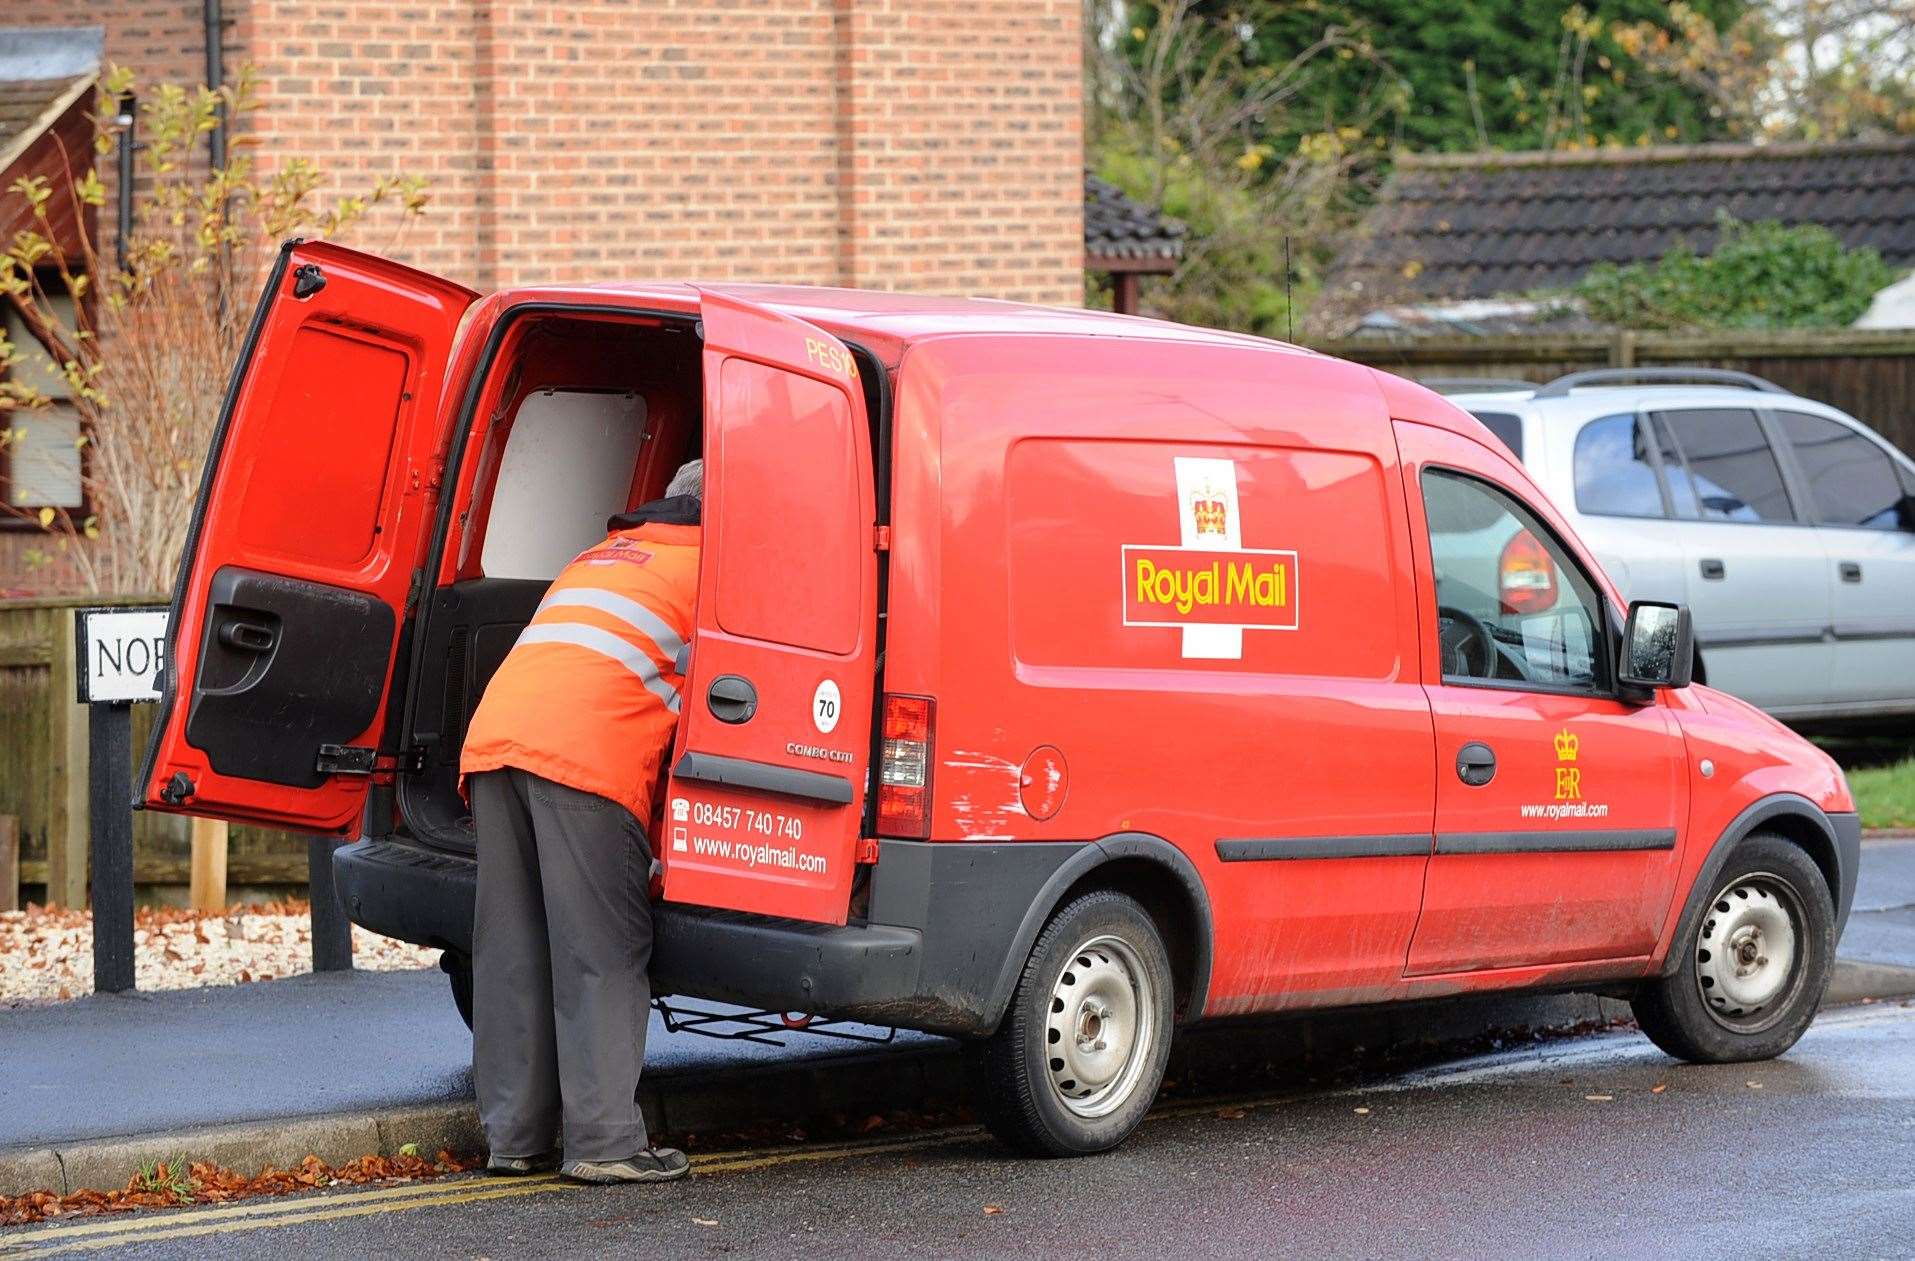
(912, 144)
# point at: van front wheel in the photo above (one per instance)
(1751, 974)
(1077, 1061)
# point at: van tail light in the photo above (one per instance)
(1526, 575)
(909, 729)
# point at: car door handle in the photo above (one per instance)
(1714, 570)
(731, 699)
(1476, 764)
(250, 637)
(1851, 571)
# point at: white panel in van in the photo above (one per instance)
(567, 467)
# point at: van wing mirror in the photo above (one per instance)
(1658, 646)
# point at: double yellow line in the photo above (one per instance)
(95, 1233)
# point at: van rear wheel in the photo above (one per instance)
(1753, 969)
(1077, 1061)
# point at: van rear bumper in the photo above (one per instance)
(876, 973)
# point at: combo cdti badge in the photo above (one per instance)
(1058, 678)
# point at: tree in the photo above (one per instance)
(143, 348)
(1513, 74)
(1792, 69)
(1760, 275)
(1182, 117)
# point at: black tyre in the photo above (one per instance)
(458, 970)
(1754, 967)
(1078, 1059)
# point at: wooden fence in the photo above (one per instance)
(43, 772)
(1869, 375)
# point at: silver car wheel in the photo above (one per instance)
(1101, 1028)
(1747, 950)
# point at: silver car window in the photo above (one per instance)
(1615, 470)
(1852, 482)
(1730, 464)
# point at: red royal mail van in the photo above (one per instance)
(1059, 678)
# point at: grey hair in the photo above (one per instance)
(688, 480)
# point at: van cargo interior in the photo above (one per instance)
(579, 419)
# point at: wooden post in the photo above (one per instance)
(9, 863)
(111, 779)
(67, 823)
(332, 931)
(208, 886)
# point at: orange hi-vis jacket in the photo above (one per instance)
(589, 695)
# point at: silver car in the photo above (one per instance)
(1788, 527)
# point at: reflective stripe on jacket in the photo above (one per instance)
(589, 695)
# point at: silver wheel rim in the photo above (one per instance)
(1748, 950)
(1101, 1027)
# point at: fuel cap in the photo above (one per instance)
(1042, 782)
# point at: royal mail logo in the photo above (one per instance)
(1209, 584)
(1179, 586)
(1210, 512)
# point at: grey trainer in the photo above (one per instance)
(517, 1166)
(654, 1164)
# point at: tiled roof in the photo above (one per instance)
(1117, 227)
(1477, 226)
(25, 103)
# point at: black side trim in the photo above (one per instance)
(738, 772)
(1276, 849)
(1877, 628)
(1567, 842)
(1751, 638)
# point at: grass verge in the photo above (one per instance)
(1885, 795)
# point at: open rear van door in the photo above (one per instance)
(767, 787)
(318, 493)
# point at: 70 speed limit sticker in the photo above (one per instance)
(825, 707)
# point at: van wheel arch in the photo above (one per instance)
(1795, 819)
(1160, 877)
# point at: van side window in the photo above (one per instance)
(1512, 607)
(1852, 481)
(1730, 465)
(1615, 470)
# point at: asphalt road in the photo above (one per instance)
(1594, 1147)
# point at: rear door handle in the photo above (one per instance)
(1476, 764)
(1851, 571)
(248, 637)
(1714, 570)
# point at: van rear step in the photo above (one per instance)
(763, 1026)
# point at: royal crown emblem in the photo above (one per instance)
(1208, 511)
(1566, 746)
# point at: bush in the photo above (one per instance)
(1760, 275)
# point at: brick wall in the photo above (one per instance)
(930, 145)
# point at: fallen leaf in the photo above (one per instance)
(872, 1122)
(993, 1210)
(1230, 1114)
(1363, 1112)
(1659, 1087)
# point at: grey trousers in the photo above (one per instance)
(561, 944)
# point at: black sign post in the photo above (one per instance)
(117, 666)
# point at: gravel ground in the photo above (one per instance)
(47, 956)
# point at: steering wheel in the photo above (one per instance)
(1465, 644)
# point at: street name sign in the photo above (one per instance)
(120, 652)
